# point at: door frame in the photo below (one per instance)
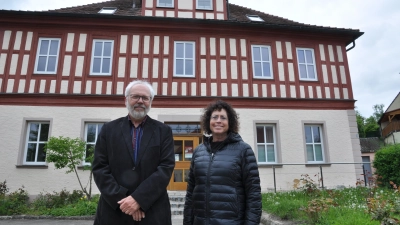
(182, 165)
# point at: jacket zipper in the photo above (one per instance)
(208, 187)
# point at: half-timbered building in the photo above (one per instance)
(63, 73)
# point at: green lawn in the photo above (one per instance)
(342, 207)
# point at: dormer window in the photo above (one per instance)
(255, 18)
(165, 3)
(204, 4)
(108, 10)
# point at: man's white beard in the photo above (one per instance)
(137, 114)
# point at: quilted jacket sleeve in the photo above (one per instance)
(251, 181)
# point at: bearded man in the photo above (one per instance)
(133, 164)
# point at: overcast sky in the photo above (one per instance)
(374, 62)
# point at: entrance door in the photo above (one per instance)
(183, 147)
(367, 169)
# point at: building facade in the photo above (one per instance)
(390, 122)
(63, 73)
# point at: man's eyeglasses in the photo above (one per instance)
(137, 97)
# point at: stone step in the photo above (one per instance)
(177, 201)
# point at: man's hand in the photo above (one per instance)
(138, 215)
(129, 205)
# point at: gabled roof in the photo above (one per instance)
(395, 105)
(124, 8)
(393, 110)
(236, 15)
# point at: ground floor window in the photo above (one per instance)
(36, 138)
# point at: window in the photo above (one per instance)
(305, 57)
(185, 128)
(47, 55)
(92, 130)
(165, 3)
(36, 138)
(266, 143)
(262, 61)
(184, 59)
(254, 18)
(108, 10)
(314, 143)
(204, 4)
(101, 57)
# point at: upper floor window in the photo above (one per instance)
(184, 57)
(306, 60)
(204, 4)
(266, 143)
(165, 3)
(92, 130)
(47, 55)
(314, 143)
(36, 138)
(102, 54)
(262, 66)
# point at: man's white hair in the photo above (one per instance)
(136, 82)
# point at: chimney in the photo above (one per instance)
(136, 2)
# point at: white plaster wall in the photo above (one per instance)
(67, 121)
(394, 138)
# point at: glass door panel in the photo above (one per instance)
(183, 149)
(188, 150)
(178, 146)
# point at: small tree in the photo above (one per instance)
(65, 152)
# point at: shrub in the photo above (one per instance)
(307, 185)
(57, 200)
(3, 188)
(14, 203)
(387, 164)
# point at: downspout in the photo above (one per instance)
(354, 45)
(227, 9)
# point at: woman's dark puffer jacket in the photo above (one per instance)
(223, 188)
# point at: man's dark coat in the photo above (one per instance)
(117, 176)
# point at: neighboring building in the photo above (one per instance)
(369, 146)
(63, 73)
(390, 122)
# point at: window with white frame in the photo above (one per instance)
(47, 55)
(165, 3)
(102, 54)
(314, 143)
(184, 59)
(306, 61)
(92, 130)
(36, 138)
(262, 66)
(266, 143)
(204, 4)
